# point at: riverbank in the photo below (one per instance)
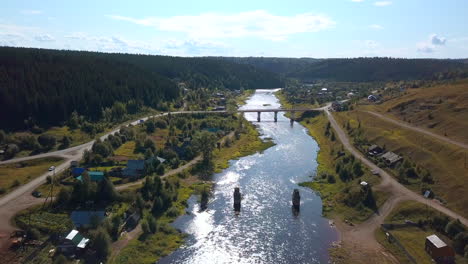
(337, 180)
(164, 242)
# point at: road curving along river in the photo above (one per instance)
(266, 230)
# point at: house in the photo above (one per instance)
(374, 150)
(439, 251)
(391, 158)
(96, 176)
(220, 108)
(77, 171)
(134, 169)
(372, 98)
(73, 243)
(83, 219)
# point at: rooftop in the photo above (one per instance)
(436, 241)
(391, 157)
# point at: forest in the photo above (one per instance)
(359, 69)
(44, 87)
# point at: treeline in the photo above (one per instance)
(46, 86)
(359, 69)
(206, 72)
(43, 87)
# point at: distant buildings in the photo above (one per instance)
(95, 176)
(439, 251)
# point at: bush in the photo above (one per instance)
(34, 234)
(172, 212)
(331, 179)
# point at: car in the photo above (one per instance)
(52, 168)
(36, 194)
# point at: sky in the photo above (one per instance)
(267, 28)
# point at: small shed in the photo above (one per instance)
(372, 98)
(73, 243)
(391, 158)
(439, 251)
(85, 218)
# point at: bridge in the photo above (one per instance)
(258, 111)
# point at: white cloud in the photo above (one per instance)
(31, 12)
(440, 41)
(376, 27)
(257, 23)
(44, 38)
(382, 3)
(431, 44)
(425, 48)
(357, 1)
(371, 44)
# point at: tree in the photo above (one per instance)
(204, 142)
(118, 111)
(60, 259)
(149, 144)
(106, 191)
(63, 196)
(357, 169)
(204, 199)
(152, 224)
(2, 136)
(74, 120)
(158, 206)
(148, 153)
(101, 243)
(66, 141)
(47, 141)
(145, 227)
(11, 151)
(460, 241)
(102, 149)
(150, 127)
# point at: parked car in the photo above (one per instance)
(36, 194)
(52, 168)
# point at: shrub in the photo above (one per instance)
(331, 179)
(172, 212)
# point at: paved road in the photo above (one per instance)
(419, 129)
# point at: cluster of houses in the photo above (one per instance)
(389, 157)
(74, 243)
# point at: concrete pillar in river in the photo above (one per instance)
(296, 200)
(276, 116)
(237, 199)
(258, 116)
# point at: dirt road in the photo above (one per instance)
(418, 129)
(363, 234)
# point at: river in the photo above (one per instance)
(266, 230)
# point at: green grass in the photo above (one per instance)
(150, 248)
(25, 171)
(77, 135)
(443, 160)
(127, 150)
(412, 238)
(332, 193)
(240, 100)
(248, 144)
(44, 221)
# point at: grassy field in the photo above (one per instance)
(442, 109)
(412, 238)
(15, 174)
(127, 150)
(249, 143)
(444, 161)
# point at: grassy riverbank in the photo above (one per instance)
(334, 191)
(150, 248)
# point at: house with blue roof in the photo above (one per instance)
(96, 176)
(77, 171)
(134, 169)
(83, 219)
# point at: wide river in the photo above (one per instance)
(266, 230)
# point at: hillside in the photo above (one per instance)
(441, 109)
(358, 69)
(48, 85)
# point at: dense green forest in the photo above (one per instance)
(357, 69)
(46, 86)
(205, 72)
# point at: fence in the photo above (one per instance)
(385, 228)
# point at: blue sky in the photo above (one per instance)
(294, 28)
